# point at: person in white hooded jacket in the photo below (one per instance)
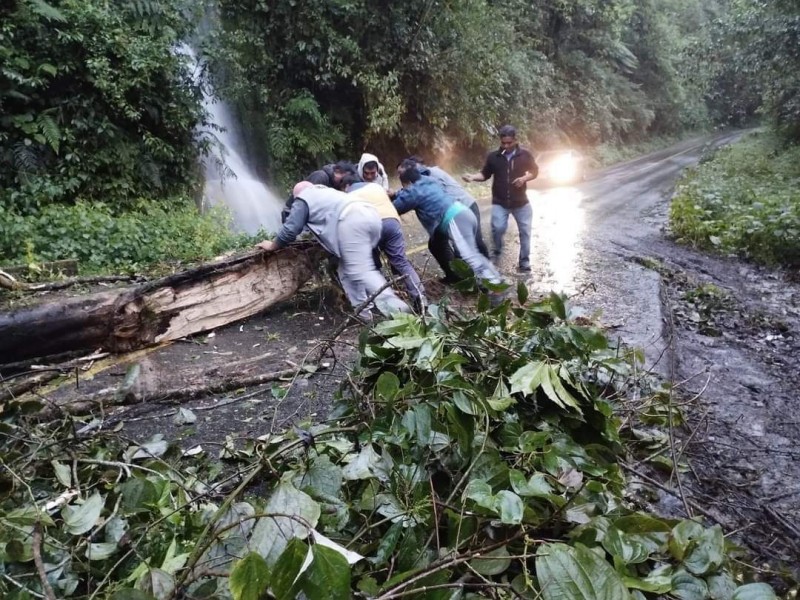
(371, 170)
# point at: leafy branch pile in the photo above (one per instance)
(468, 456)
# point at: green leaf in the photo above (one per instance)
(558, 304)
(28, 515)
(535, 486)
(683, 533)
(688, 587)
(522, 292)
(158, 583)
(648, 530)
(387, 386)
(271, 534)
(139, 495)
(287, 568)
(754, 591)
(564, 397)
(656, 582)
(249, 577)
(528, 378)
(481, 493)
(492, 563)
(328, 576)
(721, 587)
(322, 477)
(100, 551)
(567, 573)
(628, 550)
(387, 544)
(63, 473)
(509, 506)
(81, 518)
(707, 553)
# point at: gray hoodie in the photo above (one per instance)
(320, 209)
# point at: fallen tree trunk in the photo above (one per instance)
(192, 301)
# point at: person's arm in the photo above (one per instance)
(482, 175)
(292, 227)
(404, 201)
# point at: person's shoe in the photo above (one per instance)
(449, 279)
(524, 268)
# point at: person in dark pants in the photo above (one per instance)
(458, 193)
(511, 167)
(437, 211)
(392, 242)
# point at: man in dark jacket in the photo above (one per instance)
(330, 176)
(511, 167)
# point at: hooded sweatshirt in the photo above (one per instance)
(382, 179)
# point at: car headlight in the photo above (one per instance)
(564, 169)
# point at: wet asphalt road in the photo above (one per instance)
(584, 238)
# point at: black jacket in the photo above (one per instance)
(323, 176)
(504, 171)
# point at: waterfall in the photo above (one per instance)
(228, 178)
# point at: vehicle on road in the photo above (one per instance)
(560, 167)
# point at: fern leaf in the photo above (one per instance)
(49, 129)
(25, 158)
(46, 11)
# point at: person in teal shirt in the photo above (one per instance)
(439, 213)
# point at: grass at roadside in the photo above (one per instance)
(103, 240)
(743, 200)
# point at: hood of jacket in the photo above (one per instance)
(383, 178)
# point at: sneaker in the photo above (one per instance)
(524, 268)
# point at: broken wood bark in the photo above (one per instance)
(120, 396)
(166, 309)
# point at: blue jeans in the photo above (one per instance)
(524, 218)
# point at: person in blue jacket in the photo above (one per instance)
(439, 213)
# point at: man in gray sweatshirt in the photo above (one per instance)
(349, 228)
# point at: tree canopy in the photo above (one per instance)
(97, 103)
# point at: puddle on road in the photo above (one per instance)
(558, 227)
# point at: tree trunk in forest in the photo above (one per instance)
(121, 320)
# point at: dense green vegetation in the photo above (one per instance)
(96, 104)
(745, 200)
(469, 456)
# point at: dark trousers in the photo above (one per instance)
(393, 245)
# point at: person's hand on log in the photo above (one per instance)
(268, 245)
